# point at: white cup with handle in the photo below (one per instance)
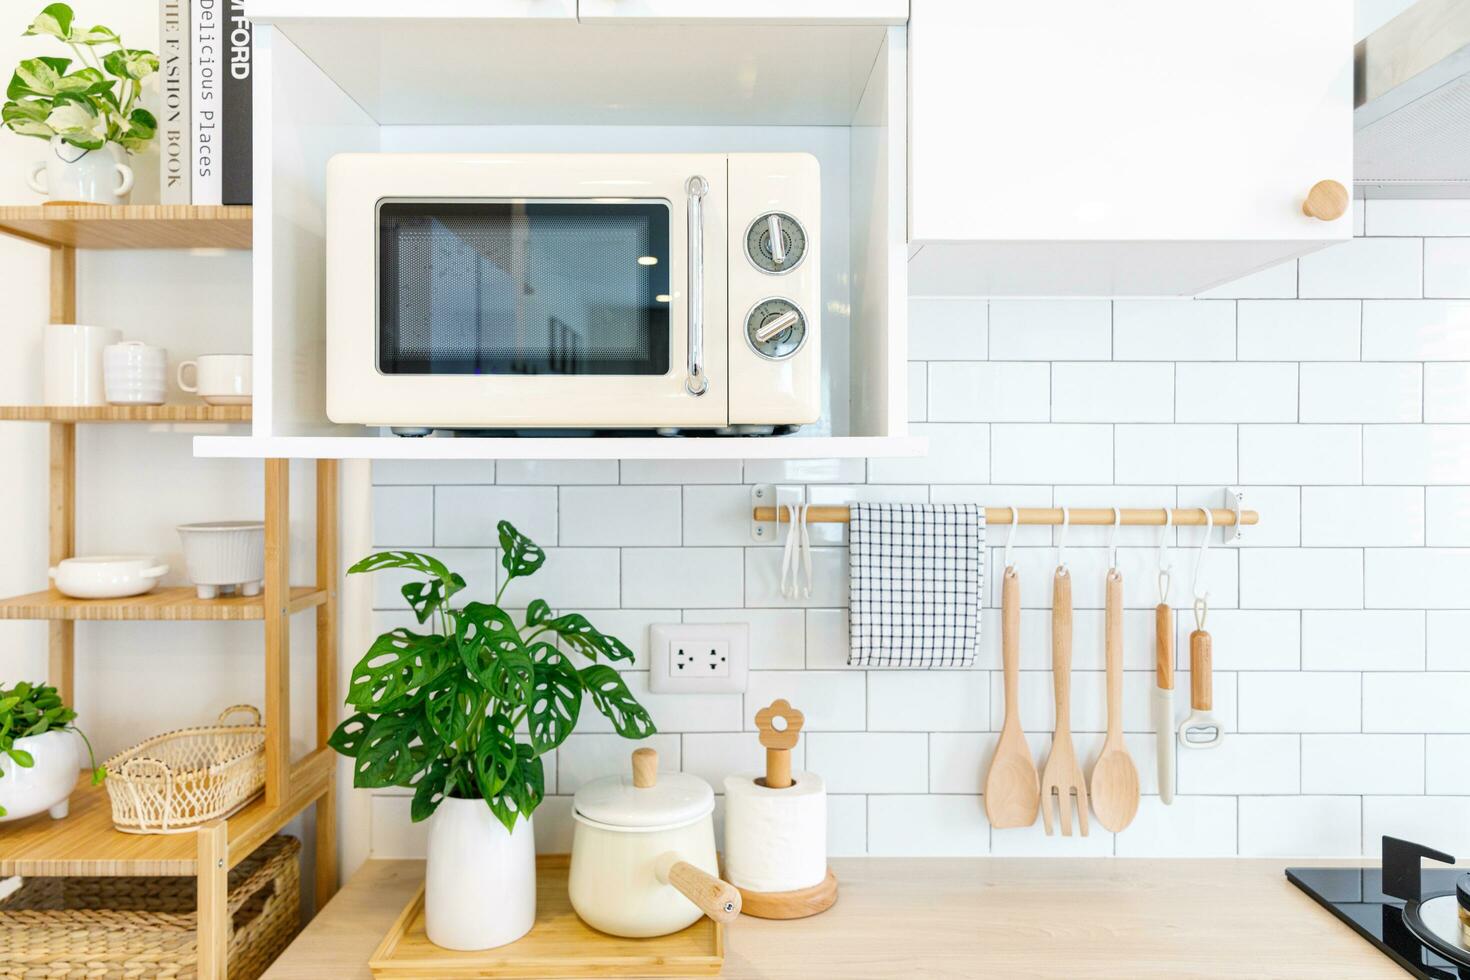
(219, 379)
(73, 359)
(75, 175)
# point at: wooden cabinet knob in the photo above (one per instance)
(1327, 200)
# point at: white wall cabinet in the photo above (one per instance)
(791, 12)
(1066, 147)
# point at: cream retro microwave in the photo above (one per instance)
(677, 292)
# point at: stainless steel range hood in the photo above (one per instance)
(1412, 99)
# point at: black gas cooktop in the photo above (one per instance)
(1387, 914)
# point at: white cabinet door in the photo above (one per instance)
(1147, 121)
(747, 11)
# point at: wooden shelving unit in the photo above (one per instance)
(85, 843)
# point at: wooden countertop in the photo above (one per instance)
(970, 917)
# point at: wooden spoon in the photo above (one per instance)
(1115, 778)
(1012, 787)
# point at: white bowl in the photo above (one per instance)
(107, 576)
(225, 555)
(45, 785)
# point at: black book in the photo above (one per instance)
(236, 146)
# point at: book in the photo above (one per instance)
(206, 38)
(235, 151)
(174, 134)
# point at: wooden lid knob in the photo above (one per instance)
(645, 768)
(1327, 201)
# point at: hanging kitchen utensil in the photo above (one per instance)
(1201, 730)
(1114, 787)
(1012, 786)
(1062, 778)
(1163, 693)
(796, 558)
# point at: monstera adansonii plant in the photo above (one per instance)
(468, 709)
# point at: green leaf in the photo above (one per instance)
(611, 697)
(537, 612)
(37, 76)
(450, 705)
(53, 21)
(386, 757)
(495, 755)
(82, 82)
(138, 130)
(586, 639)
(397, 664)
(413, 560)
(523, 794)
(97, 34)
(430, 791)
(425, 597)
(518, 554)
(78, 123)
(350, 735)
(21, 757)
(491, 649)
(126, 63)
(556, 698)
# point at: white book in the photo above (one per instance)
(206, 27)
(175, 138)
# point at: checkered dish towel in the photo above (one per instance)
(917, 583)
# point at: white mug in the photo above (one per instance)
(220, 379)
(88, 176)
(73, 357)
(135, 373)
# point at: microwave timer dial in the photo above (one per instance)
(775, 328)
(775, 243)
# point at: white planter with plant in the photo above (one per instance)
(39, 757)
(89, 117)
(439, 713)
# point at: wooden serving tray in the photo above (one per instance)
(558, 945)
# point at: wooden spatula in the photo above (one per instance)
(1012, 787)
(1062, 778)
(1115, 778)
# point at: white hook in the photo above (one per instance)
(1204, 546)
(1166, 570)
(1062, 540)
(1113, 539)
(1010, 538)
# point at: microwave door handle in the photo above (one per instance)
(696, 383)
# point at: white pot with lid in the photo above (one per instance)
(643, 853)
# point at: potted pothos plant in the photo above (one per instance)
(85, 106)
(462, 714)
(38, 752)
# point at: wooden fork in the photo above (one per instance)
(1062, 778)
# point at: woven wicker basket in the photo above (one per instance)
(174, 782)
(128, 928)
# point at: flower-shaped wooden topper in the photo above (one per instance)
(780, 727)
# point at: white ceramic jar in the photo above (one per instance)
(643, 853)
(107, 576)
(480, 886)
(224, 556)
(74, 175)
(133, 373)
(73, 362)
(46, 785)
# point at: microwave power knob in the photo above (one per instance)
(775, 328)
(775, 243)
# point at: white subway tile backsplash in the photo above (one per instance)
(826, 638)
(1241, 763)
(1051, 453)
(862, 762)
(680, 471)
(1176, 454)
(1283, 529)
(1243, 392)
(777, 636)
(1446, 764)
(1366, 639)
(1410, 218)
(945, 700)
(583, 758)
(555, 472)
(1416, 454)
(1416, 702)
(958, 453)
(575, 578)
(714, 755)
(1302, 454)
(1192, 826)
(1300, 330)
(1447, 267)
(990, 391)
(1447, 516)
(832, 701)
(918, 391)
(763, 578)
(1447, 392)
(1273, 282)
(947, 329)
(1310, 701)
(1447, 639)
(1300, 826)
(431, 472)
(909, 826)
(958, 761)
(1416, 578)
(402, 515)
(1301, 578)
(1361, 764)
(1173, 330)
(719, 515)
(1362, 517)
(1112, 391)
(1380, 392)
(785, 471)
(1242, 639)
(663, 577)
(621, 516)
(847, 825)
(1416, 330)
(1050, 329)
(1363, 268)
(1441, 822)
(466, 516)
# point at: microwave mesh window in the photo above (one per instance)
(523, 287)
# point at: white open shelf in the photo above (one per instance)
(441, 81)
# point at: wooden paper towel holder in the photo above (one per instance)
(779, 742)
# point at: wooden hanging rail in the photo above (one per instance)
(1001, 516)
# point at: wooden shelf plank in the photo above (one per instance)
(85, 843)
(125, 413)
(130, 225)
(175, 603)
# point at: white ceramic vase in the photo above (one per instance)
(45, 785)
(481, 880)
(72, 174)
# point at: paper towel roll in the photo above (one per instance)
(775, 839)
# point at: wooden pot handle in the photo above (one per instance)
(1327, 201)
(717, 899)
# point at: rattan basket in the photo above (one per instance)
(174, 782)
(130, 928)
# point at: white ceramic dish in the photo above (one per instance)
(107, 576)
(47, 784)
(225, 556)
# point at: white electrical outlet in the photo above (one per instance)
(698, 658)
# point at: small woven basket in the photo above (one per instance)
(131, 928)
(174, 782)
